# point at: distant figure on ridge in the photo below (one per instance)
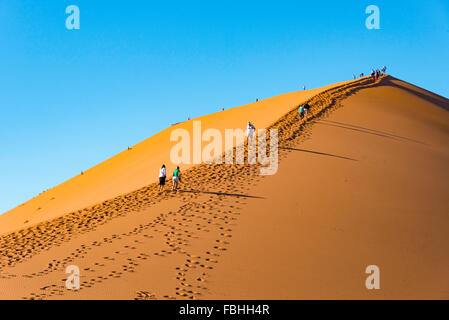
(384, 69)
(361, 75)
(303, 87)
(353, 76)
(176, 178)
(373, 75)
(162, 176)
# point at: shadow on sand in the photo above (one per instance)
(320, 153)
(427, 95)
(367, 130)
(222, 194)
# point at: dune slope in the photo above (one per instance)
(370, 187)
(135, 168)
(362, 181)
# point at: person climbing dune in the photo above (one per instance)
(162, 177)
(301, 112)
(306, 109)
(176, 178)
(250, 129)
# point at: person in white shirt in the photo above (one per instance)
(162, 176)
(250, 130)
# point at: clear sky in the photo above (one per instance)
(70, 99)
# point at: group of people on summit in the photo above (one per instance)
(374, 74)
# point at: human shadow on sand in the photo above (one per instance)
(222, 194)
(357, 129)
(367, 130)
(320, 153)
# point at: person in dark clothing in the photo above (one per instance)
(306, 109)
(162, 177)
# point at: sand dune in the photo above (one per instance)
(138, 167)
(362, 180)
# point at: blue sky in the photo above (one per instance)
(70, 99)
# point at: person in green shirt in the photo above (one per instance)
(176, 178)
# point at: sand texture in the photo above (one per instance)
(362, 180)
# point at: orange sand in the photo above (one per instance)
(363, 182)
(131, 170)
